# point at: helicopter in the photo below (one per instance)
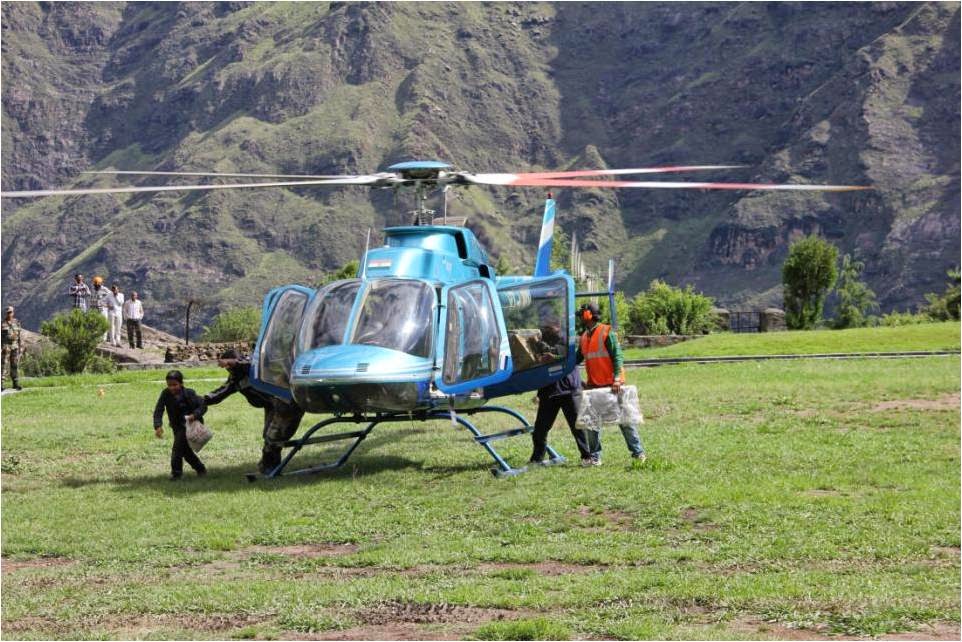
(427, 330)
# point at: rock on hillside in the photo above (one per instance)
(844, 92)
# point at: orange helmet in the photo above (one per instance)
(98, 280)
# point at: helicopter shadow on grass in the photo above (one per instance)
(233, 478)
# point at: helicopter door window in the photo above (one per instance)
(276, 356)
(472, 337)
(397, 314)
(328, 315)
(536, 318)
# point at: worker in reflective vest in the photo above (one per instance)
(601, 354)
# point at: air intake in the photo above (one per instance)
(361, 367)
(305, 370)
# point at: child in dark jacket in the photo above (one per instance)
(182, 405)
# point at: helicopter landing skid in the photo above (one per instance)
(502, 469)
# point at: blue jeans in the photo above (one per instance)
(630, 433)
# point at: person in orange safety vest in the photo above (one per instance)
(601, 354)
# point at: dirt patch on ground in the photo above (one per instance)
(11, 566)
(612, 518)
(699, 522)
(775, 631)
(945, 402)
(300, 550)
(933, 631)
(128, 626)
(412, 621)
(547, 567)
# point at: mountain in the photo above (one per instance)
(855, 93)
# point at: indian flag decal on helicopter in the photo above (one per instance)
(379, 263)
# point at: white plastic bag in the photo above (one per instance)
(197, 435)
(600, 407)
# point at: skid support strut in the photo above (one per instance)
(502, 468)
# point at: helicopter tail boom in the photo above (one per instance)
(542, 265)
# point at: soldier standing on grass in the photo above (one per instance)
(281, 418)
(12, 348)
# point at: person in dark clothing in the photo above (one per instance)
(182, 405)
(281, 418)
(561, 395)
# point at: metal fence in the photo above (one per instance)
(745, 321)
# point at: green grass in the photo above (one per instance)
(820, 496)
(926, 336)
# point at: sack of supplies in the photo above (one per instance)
(197, 435)
(600, 407)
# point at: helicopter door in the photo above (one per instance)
(472, 344)
(274, 352)
(539, 316)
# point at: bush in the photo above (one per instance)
(897, 318)
(236, 324)
(43, 361)
(100, 365)
(78, 333)
(808, 275)
(855, 299)
(664, 309)
(945, 307)
(347, 271)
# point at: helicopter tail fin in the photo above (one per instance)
(542, 265)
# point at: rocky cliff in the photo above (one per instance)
(841, 93)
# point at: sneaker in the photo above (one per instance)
(595, 461)
(202, 472)
(639, 457)
(585, 462)
(176, 476)
(17, 387)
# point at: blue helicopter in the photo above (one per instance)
(427, 330)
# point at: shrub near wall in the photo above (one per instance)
(664, 309)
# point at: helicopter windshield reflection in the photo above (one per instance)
(397, 314)
(329, 314)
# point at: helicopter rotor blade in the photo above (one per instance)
(359, 180)
(543, 182)
(511, 179)
(218, 174)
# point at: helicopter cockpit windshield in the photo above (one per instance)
(397, 314)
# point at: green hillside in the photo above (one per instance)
(841, 93)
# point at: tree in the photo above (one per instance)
(808, 275)
(78, 332)
(945, 307)
(347, 271)
(855, 299)
(503, 266)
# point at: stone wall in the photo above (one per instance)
(203, 352)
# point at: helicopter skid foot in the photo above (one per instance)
(511, 472)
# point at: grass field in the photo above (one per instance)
(927, 336)
(780, 500)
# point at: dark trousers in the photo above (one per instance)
(547, 413)
(182, 451)
(133, 328)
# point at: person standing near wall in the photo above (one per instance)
(79, 293)
(134, 313)
(101, 300)
(115, 313)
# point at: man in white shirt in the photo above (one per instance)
(115, 313)
(133, 313)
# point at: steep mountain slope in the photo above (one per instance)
(826, 93)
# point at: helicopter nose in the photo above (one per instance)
(359, 378)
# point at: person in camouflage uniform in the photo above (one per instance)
(281, 418)
(12, 347)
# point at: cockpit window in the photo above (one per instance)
(397, 314)
(326, 319)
